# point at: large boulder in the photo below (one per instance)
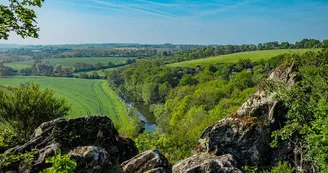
(91, 139)
(248, 144)
(151, 161)
(208, 163)
(246, 134)
(92, 159)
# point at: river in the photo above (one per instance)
(146, 116)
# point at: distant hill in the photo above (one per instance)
(9, 46)
(232, 58)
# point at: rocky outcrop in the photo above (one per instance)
(92, 159)
(246, 134)
(262, 104)
(151, 161)
(248, 144)
(207, 163)
(93, 141)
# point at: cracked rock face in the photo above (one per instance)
(262, 103)
(93, 141)
(207, 163)
(91, 159)
(151, 161)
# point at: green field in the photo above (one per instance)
(68, 62)
(86, 97)
(232, 58)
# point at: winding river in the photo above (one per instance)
(145, 116)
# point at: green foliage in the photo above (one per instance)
(173, 148)
(306, 121)
(149, 93)
(282, 167)
(187, 80)
(60, 164)
(242, 80)
(25, 160)
(19, 17)
(250, 169)
(8, 136)
(27, 107)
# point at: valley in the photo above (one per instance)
(149, 86)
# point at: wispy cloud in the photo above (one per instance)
(159, 3)
(135, 7)
(89, 6)
(224, 8)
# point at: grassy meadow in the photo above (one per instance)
(232, 58)
(68, 62)
(86, 97)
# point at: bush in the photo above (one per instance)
(60, 164)
(26, 107)
(25, 160)
(282, 167)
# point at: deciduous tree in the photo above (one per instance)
(19, 17)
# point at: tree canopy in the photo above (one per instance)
(19, 17)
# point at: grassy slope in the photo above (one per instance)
(84, 96)
(68, 62)
(231, 58)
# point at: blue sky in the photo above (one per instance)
(173, 21)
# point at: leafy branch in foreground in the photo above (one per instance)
(19, 17)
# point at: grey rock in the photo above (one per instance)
(151, 161)
(207, 163)
(84, 138)
(91, 159)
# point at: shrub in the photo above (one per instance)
(26, 107)
(60, 164)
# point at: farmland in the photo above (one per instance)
(68, 62)
(85, 97)
(232, 58)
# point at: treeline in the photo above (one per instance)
(114, 52)
(228, 49)
(21, 54)
(39, 68)
(185, 101)
(83, 67)
(6, 71)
